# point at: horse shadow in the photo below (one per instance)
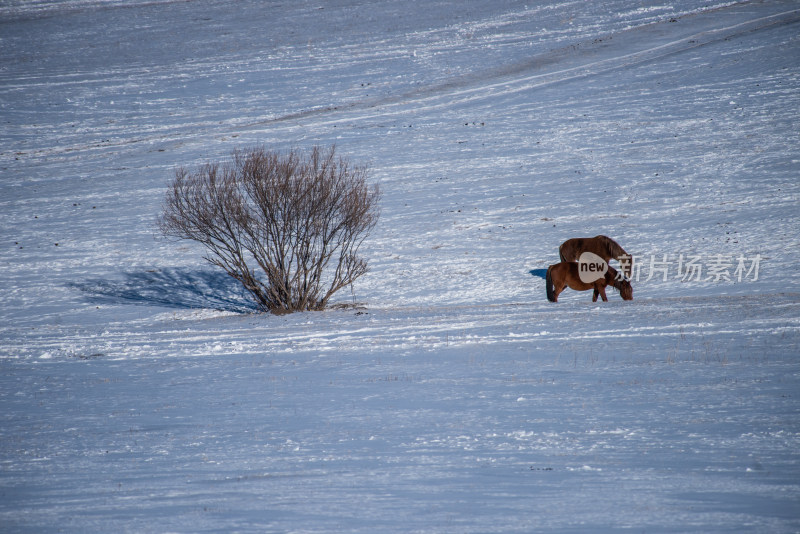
(171, 288)
(541, 273)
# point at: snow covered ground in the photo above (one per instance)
(140, 392)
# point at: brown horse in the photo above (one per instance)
(605, 247)
(567, 274)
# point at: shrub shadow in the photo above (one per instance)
(172, 288)
(541, 273)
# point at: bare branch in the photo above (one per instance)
(299, 219)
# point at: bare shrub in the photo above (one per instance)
(288, 226)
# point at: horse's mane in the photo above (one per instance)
(613, 248)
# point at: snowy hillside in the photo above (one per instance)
(141, 392)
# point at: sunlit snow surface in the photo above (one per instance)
(140, 391)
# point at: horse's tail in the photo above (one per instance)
(548, 282)
(567, 250)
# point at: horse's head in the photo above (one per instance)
(620, 283)
(625, 290)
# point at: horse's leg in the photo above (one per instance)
(594, 295)
(602, 292)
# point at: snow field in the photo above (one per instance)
(140, 392)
